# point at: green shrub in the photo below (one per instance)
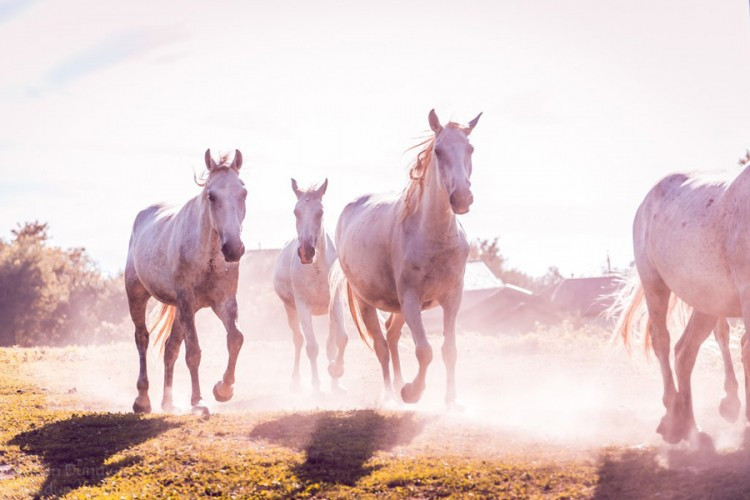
(53, 296)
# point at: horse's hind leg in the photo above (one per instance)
(291, 315)
(171, 351)
(337, 340)
(393, 326)
(137, 299)
(730, 404)
(370, 318)
(682, 422)
(223, 390)
(450, 311)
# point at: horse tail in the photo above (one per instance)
(629, 309)
(357, 317)
(632, 315)
(161, 321)
(336, 284)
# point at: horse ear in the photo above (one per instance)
(322, 189)
(210, 163)
(434, 122)
(237, 161)
(473, 123)
(295, 188)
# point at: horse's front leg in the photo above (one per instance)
(411, 308)
(227, 312)
(393, 334)
(186, 316)
(337, 340)
(311, 344)
(450, 311)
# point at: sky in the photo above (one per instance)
(107, 107)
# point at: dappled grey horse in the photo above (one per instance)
(691, 238)
(188, 260)
(406, 252)
(301, 280)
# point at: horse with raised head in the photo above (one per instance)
(406, 252)
(188, 260)
(301, 280)
(691, 237)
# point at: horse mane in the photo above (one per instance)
(223, 164)
(418, 169)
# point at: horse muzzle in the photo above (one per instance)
(306, 253)
(232, 253)
(460, 202)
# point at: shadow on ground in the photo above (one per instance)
(74, 451)
(337, 445)
(640, 473)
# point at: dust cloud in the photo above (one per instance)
(555, 392)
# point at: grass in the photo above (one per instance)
(47, 449)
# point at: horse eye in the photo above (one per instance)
(211, 197)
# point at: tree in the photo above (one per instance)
(49, 295)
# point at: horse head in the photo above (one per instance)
(225, 194)
(309, 214)
(453, 155)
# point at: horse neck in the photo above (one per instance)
(321, 243)
(434, 212)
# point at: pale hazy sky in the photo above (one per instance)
(107, 107)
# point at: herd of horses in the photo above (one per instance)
(405, 252)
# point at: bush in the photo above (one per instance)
(54, 296)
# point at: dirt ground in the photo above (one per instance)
(560, 392)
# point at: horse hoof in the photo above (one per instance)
(704, 443)
(223, 392)
(668, 433)
(295, 387)
(337, 388)
(410, 393)
(201, 411)
(336, 370)
(729, 408)
(455, 407)
(141, 408)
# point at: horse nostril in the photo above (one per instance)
(224, 249)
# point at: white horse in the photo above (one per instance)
(188, 260)
(691, 237)
(301, 280)
(407, 252)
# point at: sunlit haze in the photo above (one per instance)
(108, 107)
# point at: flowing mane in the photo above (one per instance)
(418, 169)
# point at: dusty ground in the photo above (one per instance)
(561, 395)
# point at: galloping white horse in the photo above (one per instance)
(691, 237)
(187, 261)
(301, 281)
(407, 252)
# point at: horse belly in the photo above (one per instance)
(363, 243)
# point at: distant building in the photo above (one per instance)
(587, 297)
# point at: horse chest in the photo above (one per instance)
(214, 282)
